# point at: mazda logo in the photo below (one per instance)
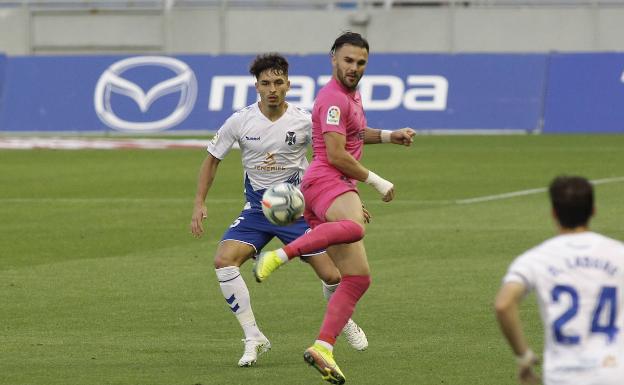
(112, 81)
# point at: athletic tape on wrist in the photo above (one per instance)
(379, 183)
(526, 359)
(386, 136)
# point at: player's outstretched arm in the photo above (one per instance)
(403, 136)
(206, 176)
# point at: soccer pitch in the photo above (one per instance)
(102, 283)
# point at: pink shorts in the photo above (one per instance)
(320, 193)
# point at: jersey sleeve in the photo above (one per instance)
(224, 139)
(520, 271)
(333, 113)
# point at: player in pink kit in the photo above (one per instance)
(333, 205)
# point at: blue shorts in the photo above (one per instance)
(252, 227)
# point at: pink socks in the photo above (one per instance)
(324, 235)
(341, 306)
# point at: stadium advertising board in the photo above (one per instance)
(585, 93)
(143, 94)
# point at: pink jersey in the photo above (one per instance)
(336, 109)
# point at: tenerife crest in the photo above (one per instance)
(291, 138)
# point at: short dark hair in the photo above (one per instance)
(270, 61)
(572, 198)
(348, 37)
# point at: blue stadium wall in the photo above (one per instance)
(551, 93)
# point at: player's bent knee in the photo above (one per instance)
(324, 268)
(231, 253)
(359, 283)
(327, 272)
(330, 277)
(223, 260)
(220, 263)
(354, 229)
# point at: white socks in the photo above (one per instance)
(328, 290)
(282, 255)
(236, 295)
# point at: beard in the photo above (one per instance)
(347, 82)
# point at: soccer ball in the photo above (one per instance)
(282, 204)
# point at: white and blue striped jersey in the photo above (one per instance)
(271, 152)
(579, 283)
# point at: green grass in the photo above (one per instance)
(101, 282)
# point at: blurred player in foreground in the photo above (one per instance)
(273, 137)
(333, 205)
(578, 277)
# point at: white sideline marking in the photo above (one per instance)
(116, 200)
(500, 196)
(98, 144)
(528, 192)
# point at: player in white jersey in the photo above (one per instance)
(273, 137)
(578, 278)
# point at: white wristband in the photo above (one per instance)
(379, 183)
(386, 136)
(526, 359)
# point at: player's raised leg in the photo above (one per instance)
(327, 271)
(230, 255)
(321, 237)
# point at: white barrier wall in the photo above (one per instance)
(101, 31)
(409, 29)
(14, 31)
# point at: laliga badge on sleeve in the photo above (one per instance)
(215, 139)
(333, 115)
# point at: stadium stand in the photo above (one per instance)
(220, 26)
(292, 4)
